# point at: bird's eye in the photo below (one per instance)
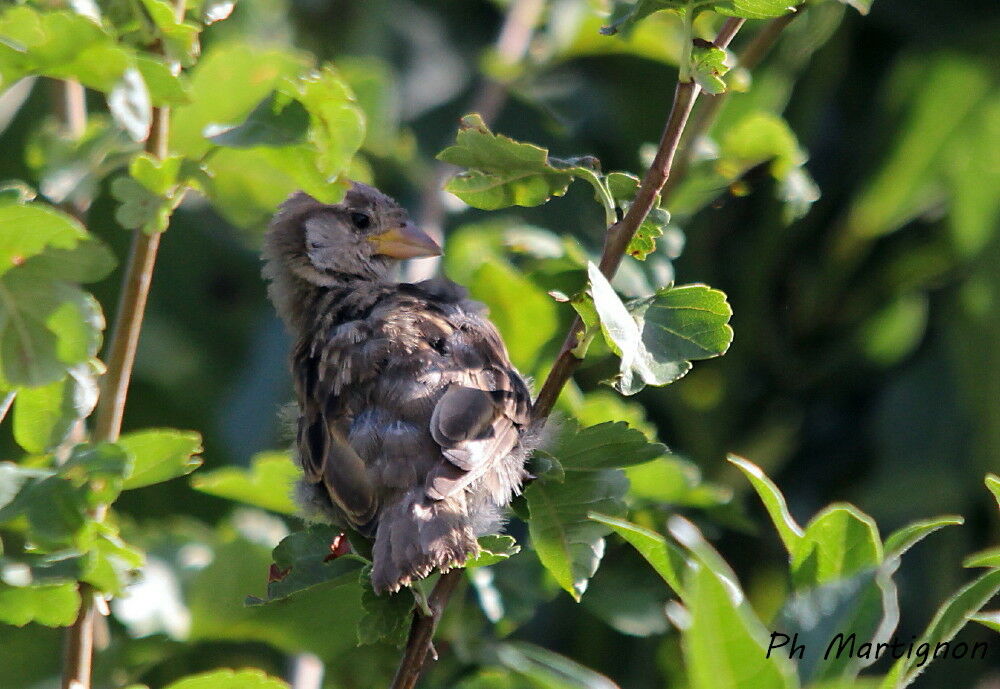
(361, 220)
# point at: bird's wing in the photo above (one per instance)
(479, 418)
(326, 456)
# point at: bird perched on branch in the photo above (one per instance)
(413, 426)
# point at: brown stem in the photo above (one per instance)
(418, 643)
(708, 108)
(120, 359)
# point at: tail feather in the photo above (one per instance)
(416, 535)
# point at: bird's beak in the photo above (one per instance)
(405, 241)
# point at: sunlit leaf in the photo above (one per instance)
(229, 679)
(608, 445)
(668, 561)
(901, 540)
(774, 502)
(45, 415)
(493, 549)
(949, 619)
(266, 484)
(53, 605)
(165, 88)
(502, 172)
(837, 543)
(657, 337)
(568, 543)
(62, 45)
(160, 455)
(724, 643)
(708, 66)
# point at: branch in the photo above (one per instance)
(708, 108)
(120, 359)
(418, 643)
(620, 234)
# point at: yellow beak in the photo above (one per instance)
(405, 241)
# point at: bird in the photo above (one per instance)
(412, 426)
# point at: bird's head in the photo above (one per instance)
(361, 238)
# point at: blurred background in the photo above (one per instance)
(862, 272)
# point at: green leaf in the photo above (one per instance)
(337, 123)
(386, 618)
(903, 539)
(104, 465)
(180, 40)
(160, 455)
(525, 315)
(839, 541)
(276, 121)
(45, 415)
(623, 186)
(774, 502)
(53, 605)
(949, 619)
(140, 208)
(608, 445)
(570, 545)
(540, 668)
(61, 45)
(993, 484)
(626, 14)
(668, 561)
(226, 84)
(165, 88)
(658, 336)
(725, 645)
(56, 510)
(708, 66)
(675, 481)
(266, 484)
(110, 563)
(984, 558)
(754, 9)
(304, 560)
(229, 679)
(990, 620)
(493, 549)
(864, 605)
(502, 172)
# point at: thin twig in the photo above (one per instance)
(512, 45)
(418, 643)
(708, 108)
(620, 234)
(120, 359)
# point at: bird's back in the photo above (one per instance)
(417, 382)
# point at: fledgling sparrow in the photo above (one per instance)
(412, 422)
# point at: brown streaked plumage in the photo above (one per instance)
(413, 424)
